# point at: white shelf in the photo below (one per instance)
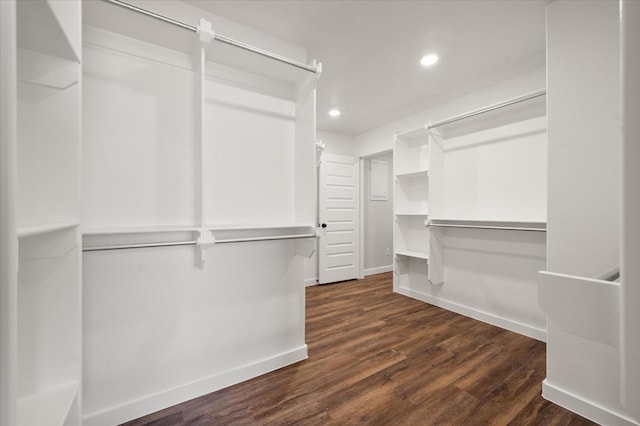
(138, 230)
(418, 132)
(45, 70)
(413, 174)
(48, 27)
(45, 228)
(401, 213)
(46, 408)
(410, 253)
(188, 228)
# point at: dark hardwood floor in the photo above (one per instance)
(379, 358)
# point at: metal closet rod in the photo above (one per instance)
(503, 228)
(193, 243)
(523, 98)
(218, 37)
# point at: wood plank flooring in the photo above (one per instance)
(379, 358)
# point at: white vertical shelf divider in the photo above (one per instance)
(436, 198)
(205, 237)
(411, 153)
(41, 336)
(8, 231)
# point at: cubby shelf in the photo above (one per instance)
(411, 206)
(410, 253)
(47, 386)
(51, 407)
(58, 29)
(408, 213)
(412, 174)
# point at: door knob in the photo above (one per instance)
(324, 225)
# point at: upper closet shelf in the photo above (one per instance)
(416, 133)
(154, 26)
(45, 228)
(520, 108)
(47, 27)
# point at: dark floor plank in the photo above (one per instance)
(379, 358)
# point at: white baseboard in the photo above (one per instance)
(167, 398)
(489, 318)
(583, 407)
(379, 270)
(310, 281)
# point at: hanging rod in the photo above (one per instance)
(523, 98)
(193, 243)
(505, 226)
(218, 37)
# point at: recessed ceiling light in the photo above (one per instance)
(334, 112)
(429, 60)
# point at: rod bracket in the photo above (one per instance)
(205, 240)
(205, 31)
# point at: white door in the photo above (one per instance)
(338, 252)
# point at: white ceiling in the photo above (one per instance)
(370, 50)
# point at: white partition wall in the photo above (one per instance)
(630, 267)
(41, 165)
(485, 196)
(208, 169)
(592, 316)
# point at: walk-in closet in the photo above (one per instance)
(319, 212)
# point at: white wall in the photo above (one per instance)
(378, 222)
(585, 138)
(586, 369)
(335, 143)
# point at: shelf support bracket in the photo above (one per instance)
(205, 240)
(205, 32)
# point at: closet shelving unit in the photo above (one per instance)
(411, 205)
(46, 389)
(236, 64)
(205, 222)
(479, 201)
(453, 133)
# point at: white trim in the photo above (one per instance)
(378, 270)
(337, 158)
(361, 271)
(489, 318)
(311, 281)
(152, 403)
(585, 408)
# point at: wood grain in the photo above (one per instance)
(379, 358)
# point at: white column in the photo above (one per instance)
(8, 237)
(630, 371)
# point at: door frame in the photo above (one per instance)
(358, 171)
(362, 201)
